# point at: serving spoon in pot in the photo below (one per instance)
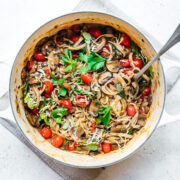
(174, 39)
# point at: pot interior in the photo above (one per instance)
(33, 135)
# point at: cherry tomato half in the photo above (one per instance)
(82, 101)
(75, 38)
(125, 40)
(71, 146)
(57, 141)
(86, 78)
(105, 51)
(46, 132)
(66, 103)
(30, 64)
(49, 87)
(125, 63)
(141, 110)
(138, 62)
(74, 56)
(106, 147)
(75, 27)
(95, 32)
(39, 56)
(47, 95)
(146, 91)
(47, 72)
(131, 111)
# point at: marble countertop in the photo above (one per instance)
(158, 158)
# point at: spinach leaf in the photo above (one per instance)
(105, 112)
(92, 147)
(62, 91)
(151, 73)
(44, 117)
(83, 70)
(87, 37)
(67, 58)
(122, 94)
(58, 113)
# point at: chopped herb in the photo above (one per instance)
(122, 94)
(98, 120)
(61, 81)
(65, 125)
(65, 142)
(87, 37)
(151, 73)
(105, 112)
(62, 91)
(83, 70)
(142, 89)
(67, 58)
(44, 117)
(86, 93)
(114, 49)
(92, 147)
(130, 131)
(94, 61)
(58, 113)
(29, 101)
(78, 80)
(55, 81)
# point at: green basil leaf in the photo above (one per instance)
(130, 131)
(58, 113)
(92, 147)
(87, 37)
(62, 91)
(122, 94)
(68, 68)
(83, 57)
(61, 81)
(52, 75)
(106, 119)
(98, 120)
(44, 117)
(83, 70)
(151, 72)
(98, 65)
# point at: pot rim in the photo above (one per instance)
(64, 163)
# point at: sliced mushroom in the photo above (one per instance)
(33, 81)
(67, 86)
(113, 66)
(93, 109)
(141, 122)
(104, 77)
(72, 48)
(79, 131)
(118, 128)
(78, 42)
(37, 94)
(52, 60)
(100, 45)
(99, 94)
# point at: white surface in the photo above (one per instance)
(159, 158)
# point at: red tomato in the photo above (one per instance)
(77, 144)
(74, 56)
(30, 64)
(95, 32)
(146, 91)
(125, 63)
(39, 56)
(131, 111)
(138, 62)
(66, 103)
(82, 101)
(34, 111)
(47, 72)
(125, 40)
(75, 27)
(58, 40)
(46, 132)
(49, 87)
(106, 147)
(141, 110)
(105, 52)
(86, 78)
(71, 146)
(47, 95)
(75, 38)
(57, 141)
(93, 127)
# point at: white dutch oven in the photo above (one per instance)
(69, 158)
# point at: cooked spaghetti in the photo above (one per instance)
(79, 90)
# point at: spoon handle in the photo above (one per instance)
(175, 38)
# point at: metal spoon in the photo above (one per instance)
(175, 38)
